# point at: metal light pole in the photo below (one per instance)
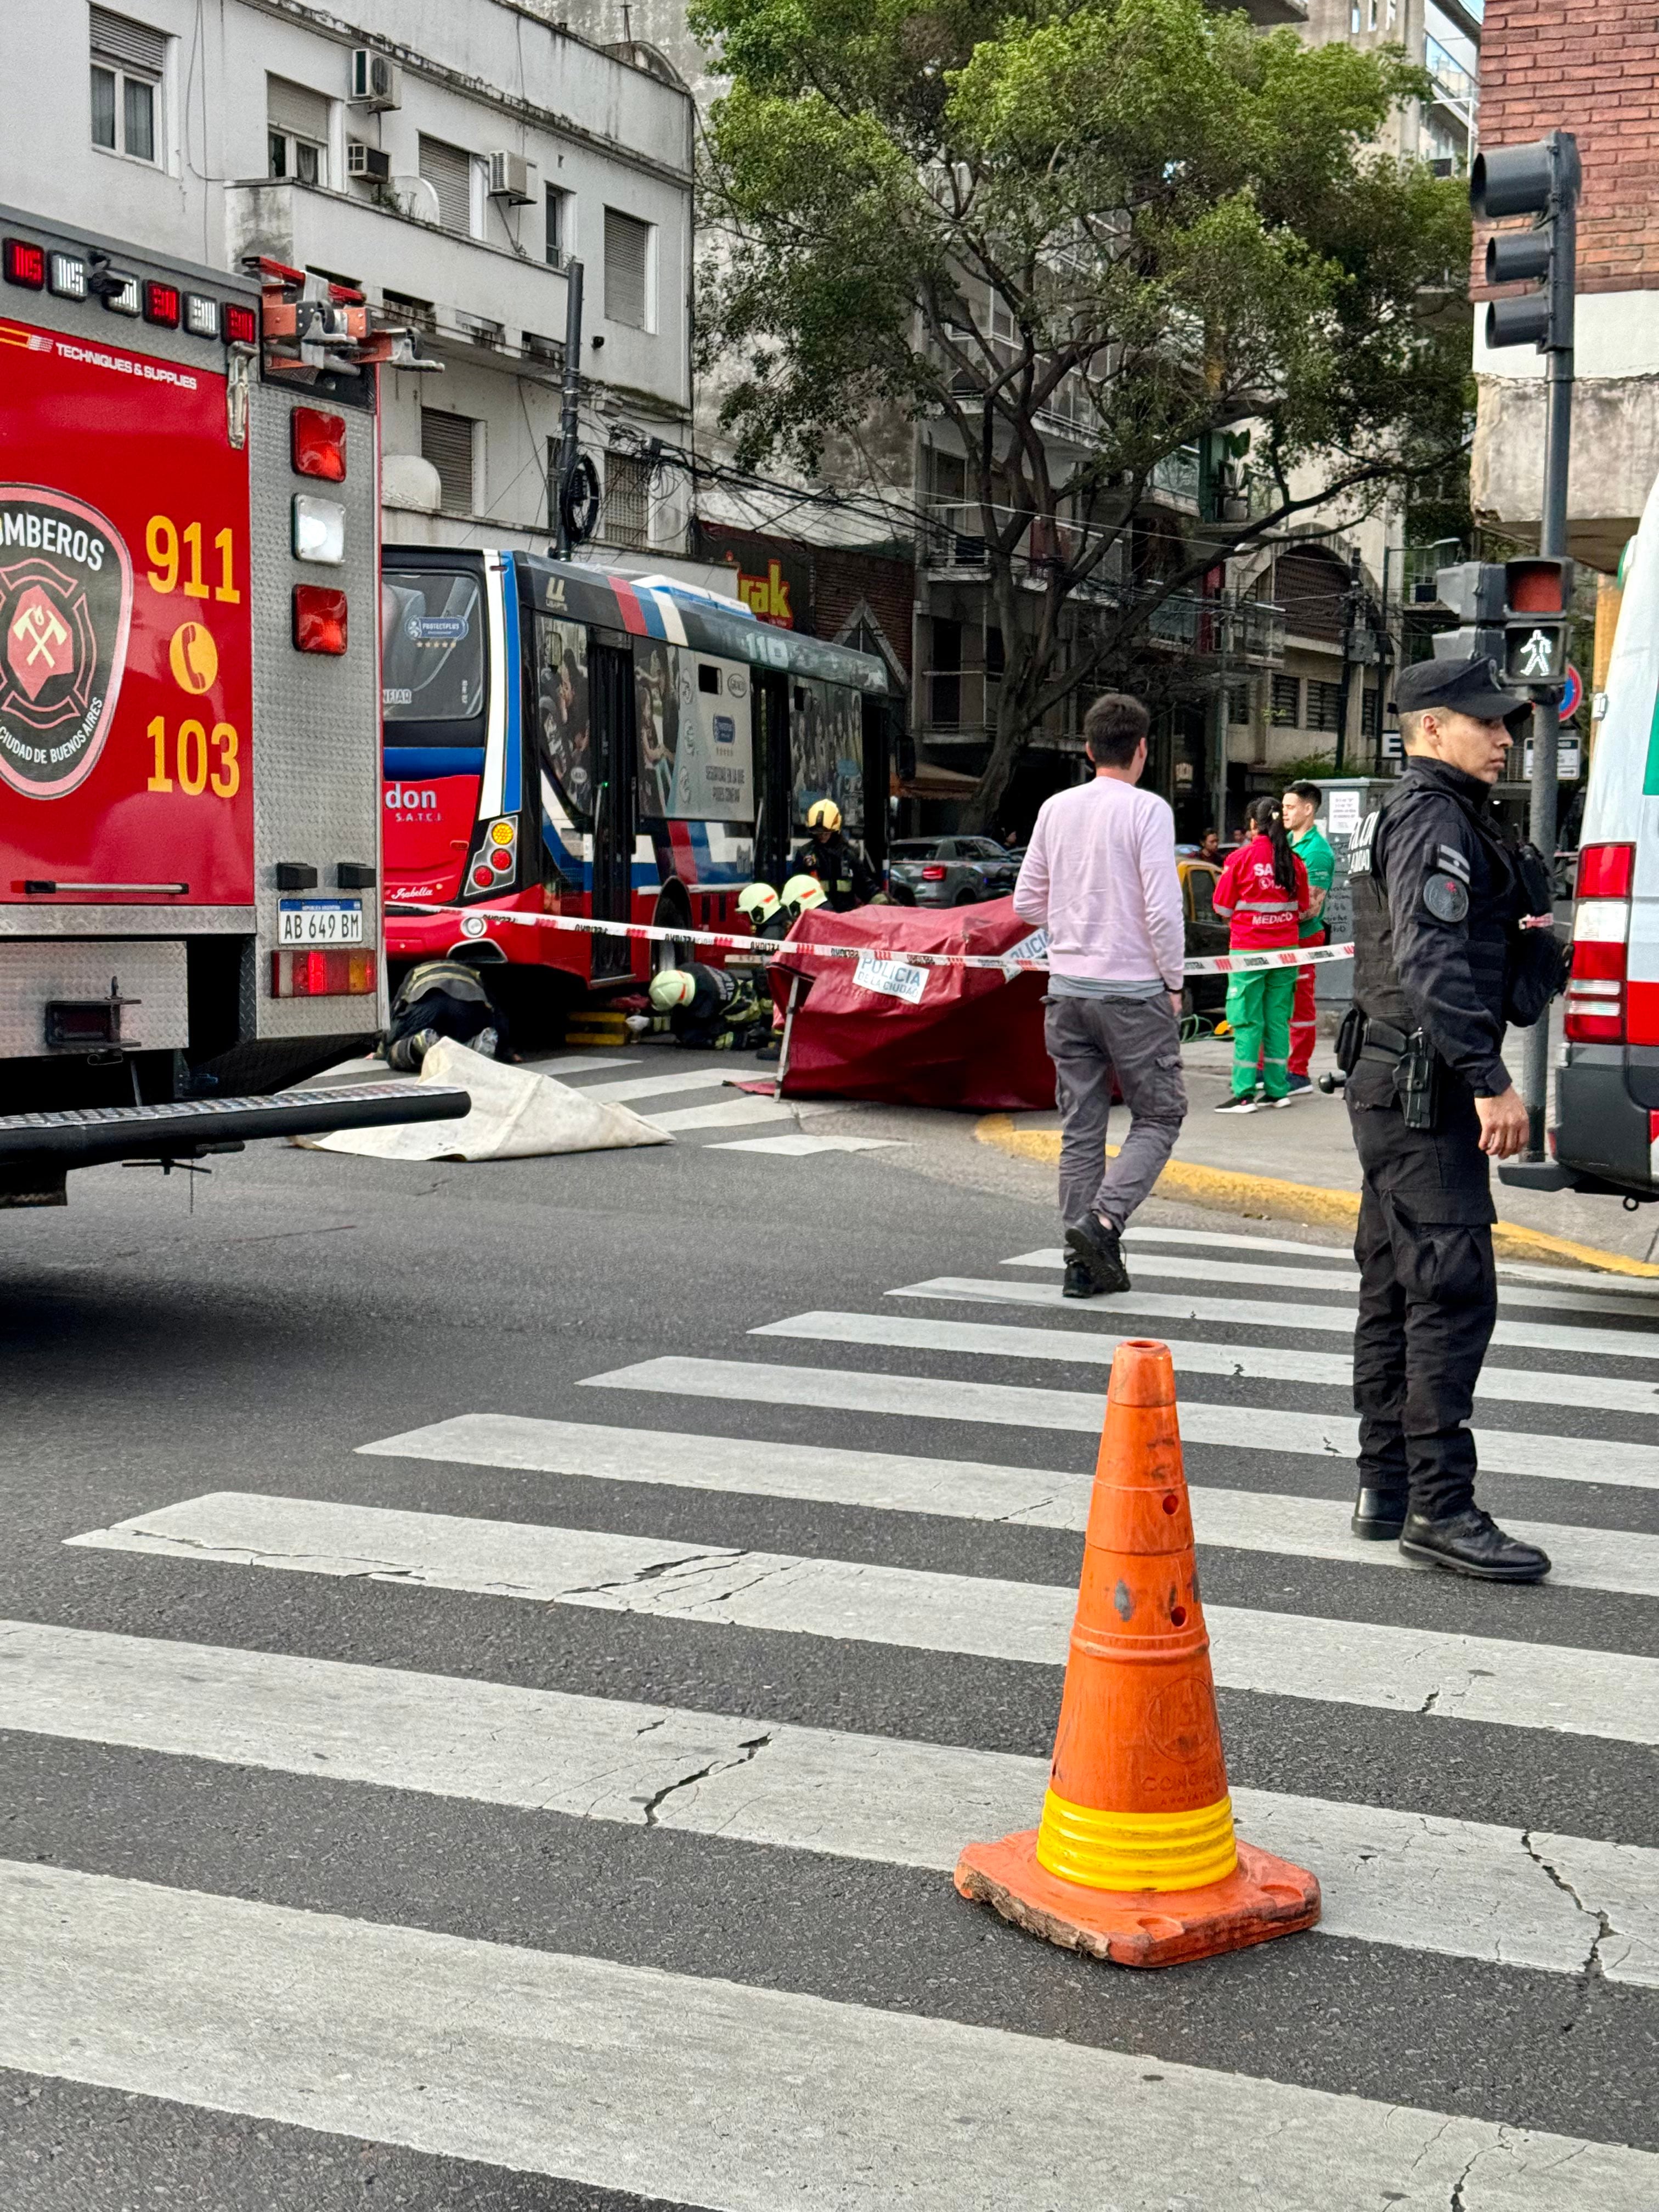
(1540, 180)
(1553, 538)
(569, 416)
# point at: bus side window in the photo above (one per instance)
(709, 679)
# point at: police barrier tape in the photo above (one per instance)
(475, 924)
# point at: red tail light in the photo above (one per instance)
(241, 324)
(161, 305)
(317, 974)
(932, 875)
(320, 619)
(1604, 870)
(318, 444)
(1596, 1009)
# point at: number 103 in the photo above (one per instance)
(203, 760)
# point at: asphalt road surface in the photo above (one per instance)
(496, 1664)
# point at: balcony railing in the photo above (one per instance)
(1456, 85)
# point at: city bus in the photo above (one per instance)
(558, 739)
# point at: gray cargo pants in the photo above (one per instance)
(1091, 1041)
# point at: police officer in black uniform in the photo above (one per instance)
(1441, 964)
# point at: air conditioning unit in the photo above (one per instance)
(512, 179)
(377, 82)
(368, 162)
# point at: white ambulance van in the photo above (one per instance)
(1606, 1132)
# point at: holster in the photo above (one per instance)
(1416, 1069)
(1350, 1038)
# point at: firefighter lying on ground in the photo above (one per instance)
(715, 1008)
(441, 999)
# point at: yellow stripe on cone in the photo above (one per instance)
(1137, 1850)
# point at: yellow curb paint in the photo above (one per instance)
(1274, 1200)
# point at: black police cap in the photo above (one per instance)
(1462, 687)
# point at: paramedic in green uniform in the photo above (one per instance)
(1298, 807)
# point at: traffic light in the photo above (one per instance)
(1473, 590)
(1537, 599)
(1514, 612)
(1542, 180)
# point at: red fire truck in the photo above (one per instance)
(188, 706)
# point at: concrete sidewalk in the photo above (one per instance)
(1306, 1147)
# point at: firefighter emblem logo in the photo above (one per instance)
(65, 610)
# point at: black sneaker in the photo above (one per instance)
(1241, 1102)
(1472, 1543)
(1099, 1252)
(1080, 1284)
(1299, 1084)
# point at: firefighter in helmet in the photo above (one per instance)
(715, 1008)
(763, 909)
(802, 894)
(847, 878)
(441, 999)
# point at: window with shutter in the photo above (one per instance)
(627, 252)
(297, 126)
(447, 442)
(449, 170)
(127, 61)
(117, 39)
(1287, 701)
(1324, 705)
(627, 500)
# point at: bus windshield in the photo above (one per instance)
(431, 645)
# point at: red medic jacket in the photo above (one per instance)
(1250, 897)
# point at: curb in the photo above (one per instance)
(1274, 1200)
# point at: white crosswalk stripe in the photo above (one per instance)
(726, 1114)
(1009, 1404)
(1396, 1670)
(125, 1983)
(1600, 1394)
(1239, 1520)
(698, 2091)
(1251, 1313)
(1631, 1288)
(1477, 1890)
(1339, 1273)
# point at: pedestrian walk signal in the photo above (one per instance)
(1513, 613)
(1537, 595)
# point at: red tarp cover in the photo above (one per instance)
(970, 1039)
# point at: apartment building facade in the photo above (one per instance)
(451, 161)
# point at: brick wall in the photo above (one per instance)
(1590, 67)
(842, 580)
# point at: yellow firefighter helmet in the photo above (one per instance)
(801, 894)
(672, 987)
(823, 814)
(758, 903)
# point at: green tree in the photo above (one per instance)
(1138, 213)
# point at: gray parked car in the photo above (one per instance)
(949, 870)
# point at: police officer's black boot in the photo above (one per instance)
(1079, 1282)
(1378, 1514)
(1471, 1542)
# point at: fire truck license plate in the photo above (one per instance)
(320, 921)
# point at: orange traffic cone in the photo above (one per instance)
(1136, 1859)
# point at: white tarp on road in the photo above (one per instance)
(516, 1116)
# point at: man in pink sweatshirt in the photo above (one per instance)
(1099, 875)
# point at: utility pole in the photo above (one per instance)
(569, 416)
(1354, 601)
(1540, 180)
